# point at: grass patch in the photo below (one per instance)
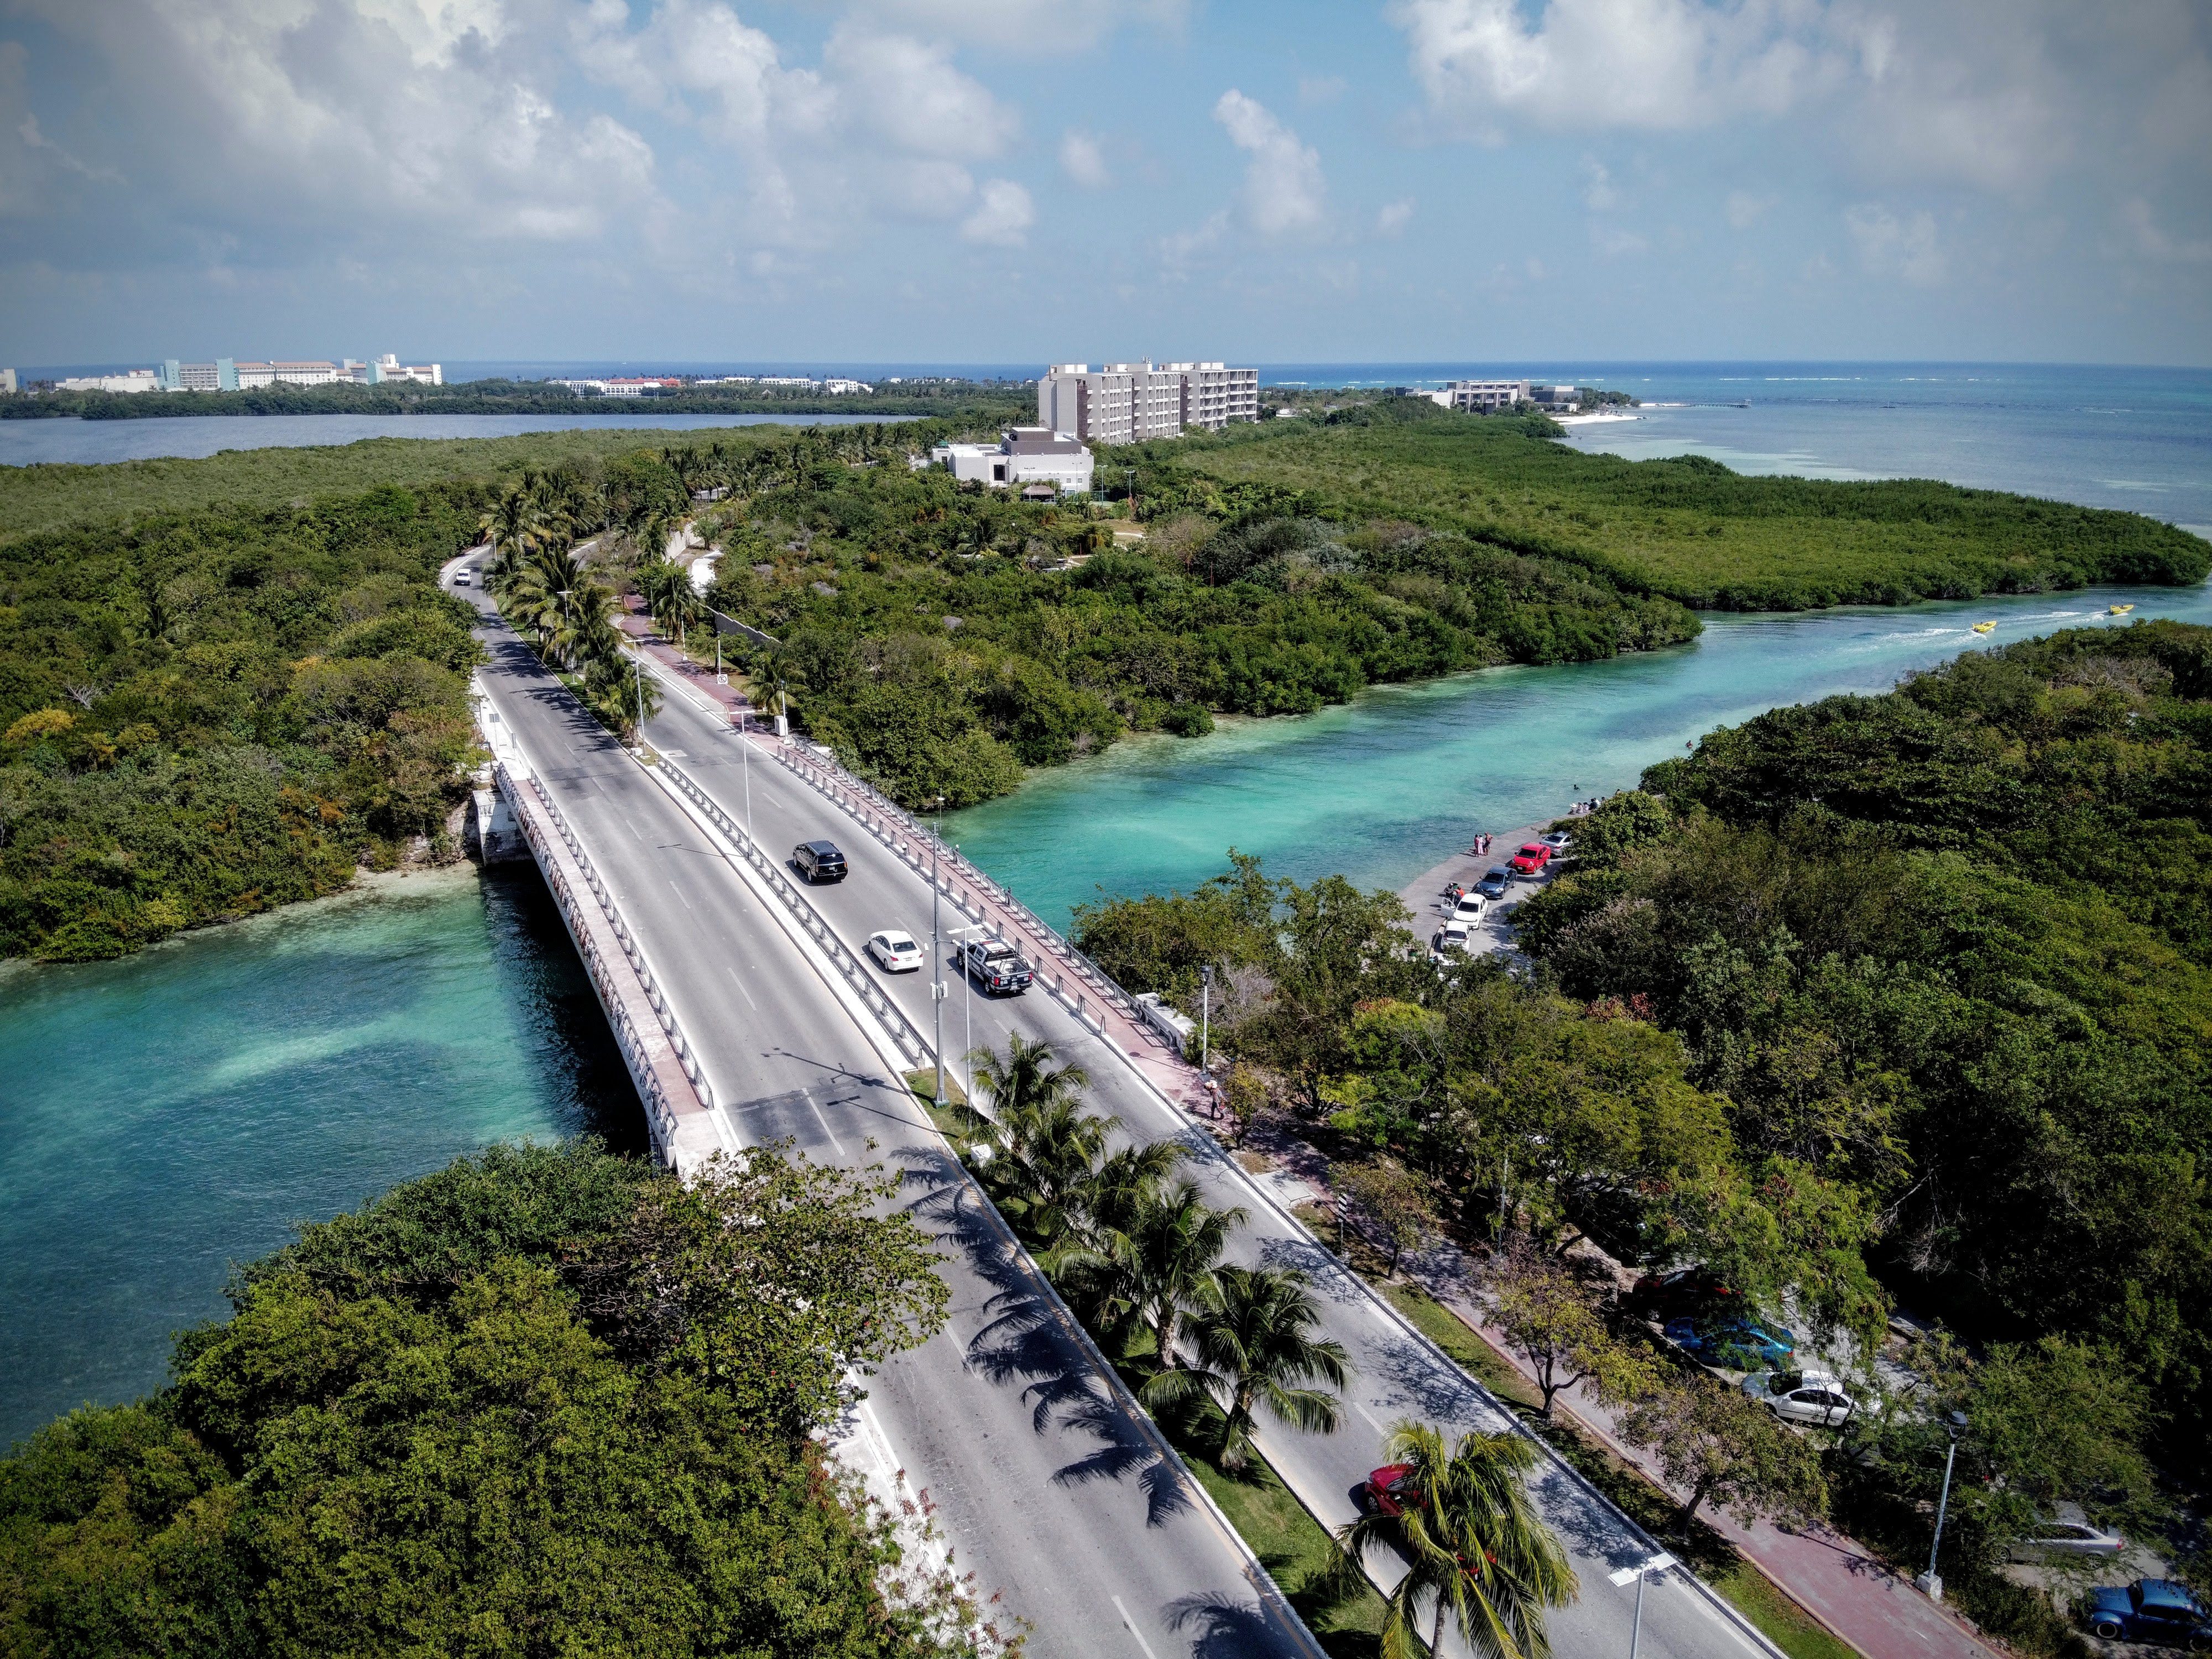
(1780, 1620)
(923, 1084)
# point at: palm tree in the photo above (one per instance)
(1254, 1345)
(1474, 1541)
(1163, 1266)
(670, 596)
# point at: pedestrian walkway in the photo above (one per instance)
(1838, 1581)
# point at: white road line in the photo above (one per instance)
(632, 827)
(742, 992)
(678, 891)
(836, 1144)
(1130, 1625)
(1370, 1416)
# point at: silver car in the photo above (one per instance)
(2069, 1532)
(1815, 1397)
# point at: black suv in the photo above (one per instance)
(996, 965)
(818, 861)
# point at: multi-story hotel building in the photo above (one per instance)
(1128, 403)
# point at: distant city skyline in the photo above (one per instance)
(842, 184)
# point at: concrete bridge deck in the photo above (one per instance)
(1051, 1487)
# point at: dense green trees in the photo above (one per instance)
(545, 1400)
(205, 714)
(1687, 528)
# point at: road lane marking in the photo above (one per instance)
(632, 827)
(836, 1144)
(742, 992)
(1130, 1625)
(1370, 1416)
(678, 891)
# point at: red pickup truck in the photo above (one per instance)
(1530, 860)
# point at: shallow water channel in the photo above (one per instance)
(163, 1116)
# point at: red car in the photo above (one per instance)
(1532, 857)
(1390, 1489)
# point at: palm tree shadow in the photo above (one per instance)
(1025, 1339)
(1221, 1626)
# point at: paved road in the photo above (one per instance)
(1396, 1377)
(1050, 1490)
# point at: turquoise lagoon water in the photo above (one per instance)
(165, 1116)
(1387, 786)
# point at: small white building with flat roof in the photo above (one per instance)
(1026, 457)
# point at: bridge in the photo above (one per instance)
(748, 1013)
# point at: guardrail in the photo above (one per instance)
(657, 1104)
(910, 1041)
(888, 823)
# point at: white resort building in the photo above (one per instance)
(1034, 460)
(1128, 403)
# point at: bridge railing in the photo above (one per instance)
(659, 1109)
(911, 840)
(910, 1041)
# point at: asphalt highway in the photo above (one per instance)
(1397, 1377)
(1051, 1490)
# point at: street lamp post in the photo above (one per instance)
(1657, 1563)
(1930, 1583)
(1205, 1012)
(638, 663)
(936, 953)
(960, 936)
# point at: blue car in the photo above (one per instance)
(1735, 1341)
(2151, 1610)
(1496, 884)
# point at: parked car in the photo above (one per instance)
(1495, 883)
(2159, 1610)
(1530, 860)
(997, 966)
(1685, 1290)
(1470, 907)
(1815, 1397)
(1558, 841)
(1735, 1342)
(895, 952)
(818, 861)
(2067, 1532)
(1450, 941)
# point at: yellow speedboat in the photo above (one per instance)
(2117, 610)
(1983, 628)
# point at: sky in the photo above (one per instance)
(1020, 181)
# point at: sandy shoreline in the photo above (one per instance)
(1424, 895)
(1592, 420)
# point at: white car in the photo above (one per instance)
(1450, 941)
(1558, 841)
(1815, 1397)
(460, 578)
(1470, 909)
(895, 952)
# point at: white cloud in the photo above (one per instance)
(1003, 216)
(1599, 195)
(1081, 160)
(1180, 250)
(1745, 210)
(1656, 64)
(1283, 184)
(1891, 247)
(1040, 26)
(908, 92)
(1615, 243)
(1394, 218)
(2152, 242)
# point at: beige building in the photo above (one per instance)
(1128, 403)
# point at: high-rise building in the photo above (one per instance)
(8, 382)
(1128, 403)
(1483, 397)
